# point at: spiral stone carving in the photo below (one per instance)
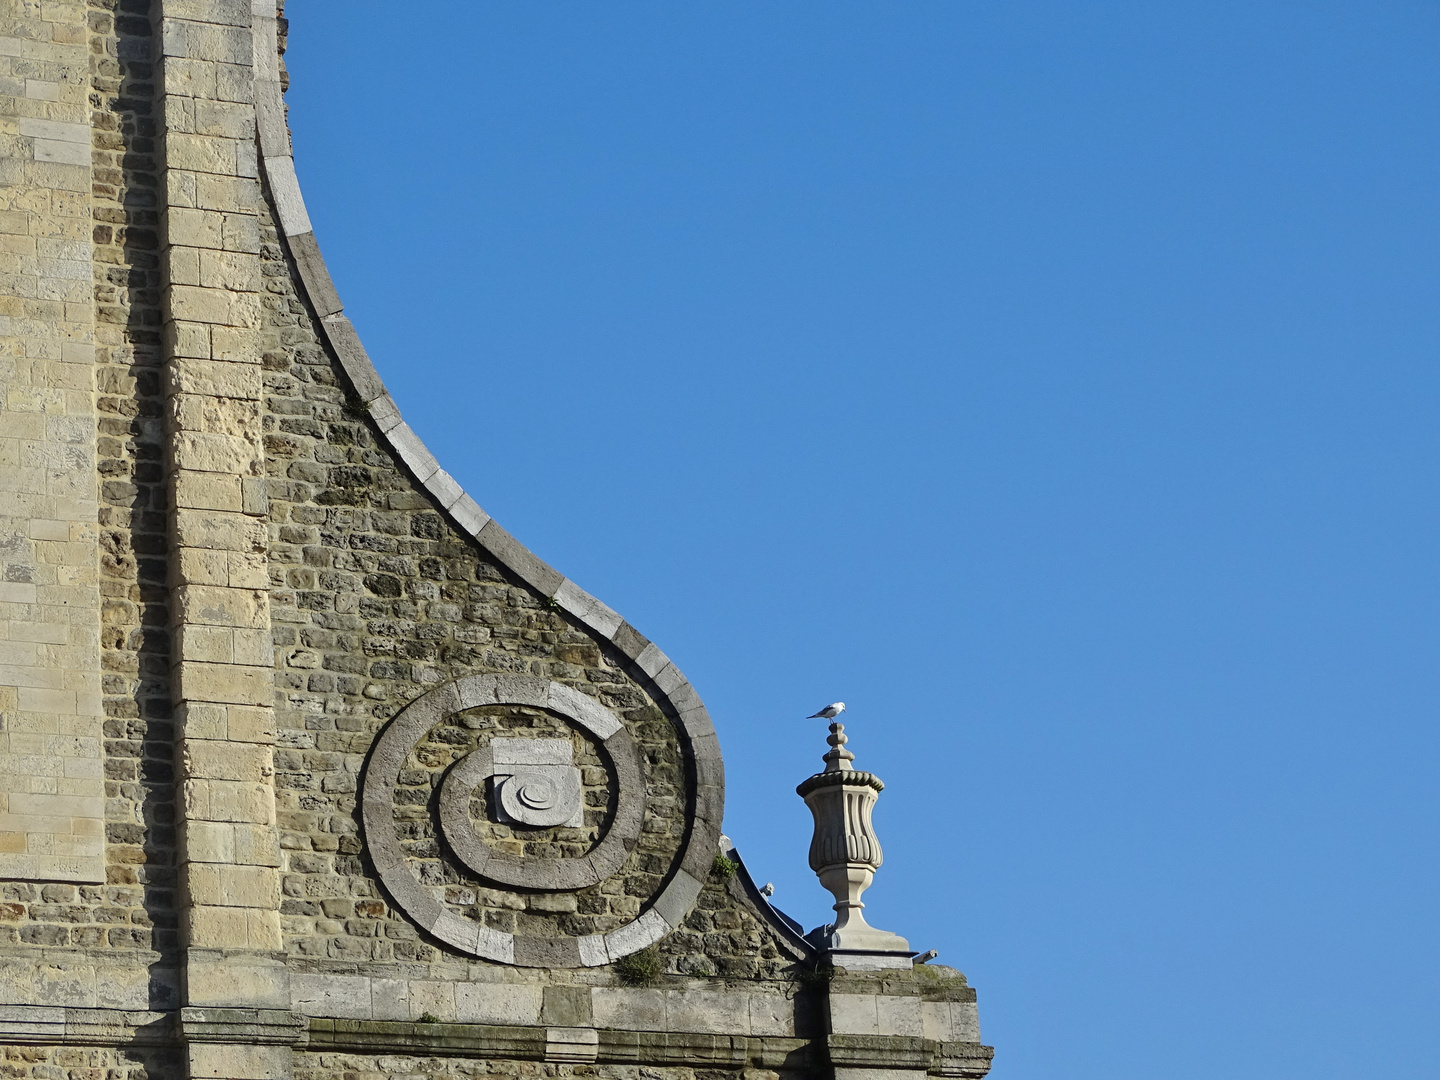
(534, 785)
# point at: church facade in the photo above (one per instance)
(308, 768)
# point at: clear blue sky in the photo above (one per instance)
(1056, 383)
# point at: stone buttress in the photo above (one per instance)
(308, 768)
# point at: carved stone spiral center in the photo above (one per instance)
(538, 794)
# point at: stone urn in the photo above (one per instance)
(845, 853)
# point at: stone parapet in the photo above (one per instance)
(918, 1022)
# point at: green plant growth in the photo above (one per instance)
(429, 1018)
(935, 972)
(725, 868)
(640, 968)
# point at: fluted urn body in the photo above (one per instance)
(845, 853)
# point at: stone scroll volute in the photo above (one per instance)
(545, 796)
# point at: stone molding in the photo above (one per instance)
(875, 1056)
(610, 1046)
(645, 660)
(229, 1029)
(59, 1025)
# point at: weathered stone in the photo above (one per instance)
(311, 267)
(500, 1003)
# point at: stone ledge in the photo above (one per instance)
(254, 1027)
(909, 1054)
(38, 1025)
(447, 1040)
(969, 1061)
(683, 1048)
(613, 1046)
(29, 1025)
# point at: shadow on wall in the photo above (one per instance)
(135, 638)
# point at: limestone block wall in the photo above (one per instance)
(51, 784)
(228, 846)
(113, 943)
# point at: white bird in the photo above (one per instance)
(768, 890)
(829, 712)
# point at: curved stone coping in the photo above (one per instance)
(293, 222)
(550, 874)
(790, 932)
(377, 802)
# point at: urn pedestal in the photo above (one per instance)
(845, 853)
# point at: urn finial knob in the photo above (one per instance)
(845, 853)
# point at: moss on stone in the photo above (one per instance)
(641, 968)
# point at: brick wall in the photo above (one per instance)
(87, 1063)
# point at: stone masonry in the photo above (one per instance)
(308, 768)
(51, 825)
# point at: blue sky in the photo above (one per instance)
(1055, 383)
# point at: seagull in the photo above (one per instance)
(829, 712)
